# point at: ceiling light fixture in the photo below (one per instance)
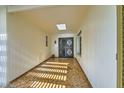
(61, 26)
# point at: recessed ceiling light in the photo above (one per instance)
(61, 26)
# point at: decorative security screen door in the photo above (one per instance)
(66, 47)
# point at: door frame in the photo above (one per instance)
(72, 46)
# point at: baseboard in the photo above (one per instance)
(83, 72)
(30, 69)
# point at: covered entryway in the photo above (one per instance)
(29, 35)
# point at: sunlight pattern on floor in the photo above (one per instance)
(58, 63)
(52, 70)
(37, 84)
(49, 76)
(55, 73)
(54, 66)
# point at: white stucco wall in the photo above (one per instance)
(99, 46)
(27, 46)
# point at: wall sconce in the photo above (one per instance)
(55, 42)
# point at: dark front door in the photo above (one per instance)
(66, 47)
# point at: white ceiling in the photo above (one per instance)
(46, 18)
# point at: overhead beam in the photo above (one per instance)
(17, 8)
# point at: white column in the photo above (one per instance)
(3, 46)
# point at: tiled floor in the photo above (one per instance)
(54, 73)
